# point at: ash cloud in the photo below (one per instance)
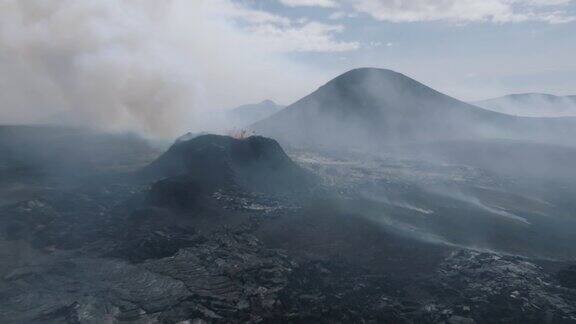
(154, 67)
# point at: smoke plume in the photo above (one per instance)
(156, 67)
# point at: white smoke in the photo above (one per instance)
(159, 67)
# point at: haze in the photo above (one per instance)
(162, 68)
(287, 161)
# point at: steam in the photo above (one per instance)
(475, 201)
(157, 67)
(532, 105)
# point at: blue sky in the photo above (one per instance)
(471, 49)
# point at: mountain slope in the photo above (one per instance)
(532, 105)
(255, 163)
(373, 106)
(247, 114)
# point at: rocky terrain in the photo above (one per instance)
(224, 230)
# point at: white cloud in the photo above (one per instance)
(342, 14)
(547, 2)
(309, 37)
(231, 10)
(310, 3)
(337, 15)
(461, 11)
(281, 34)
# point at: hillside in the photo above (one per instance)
(368, 107)
(246, 115)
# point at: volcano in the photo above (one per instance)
(371, 106)
(215, 161)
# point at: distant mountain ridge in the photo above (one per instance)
(370, 106)
(532, 105)
(245, 115)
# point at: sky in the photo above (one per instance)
(163, 67)
(470, 49)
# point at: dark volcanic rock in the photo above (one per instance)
(255, 163)
(504, 289)
(175, 192)
(153, 234)
(212, 240)
(205, 183)
(228, 278)
(567, 277)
